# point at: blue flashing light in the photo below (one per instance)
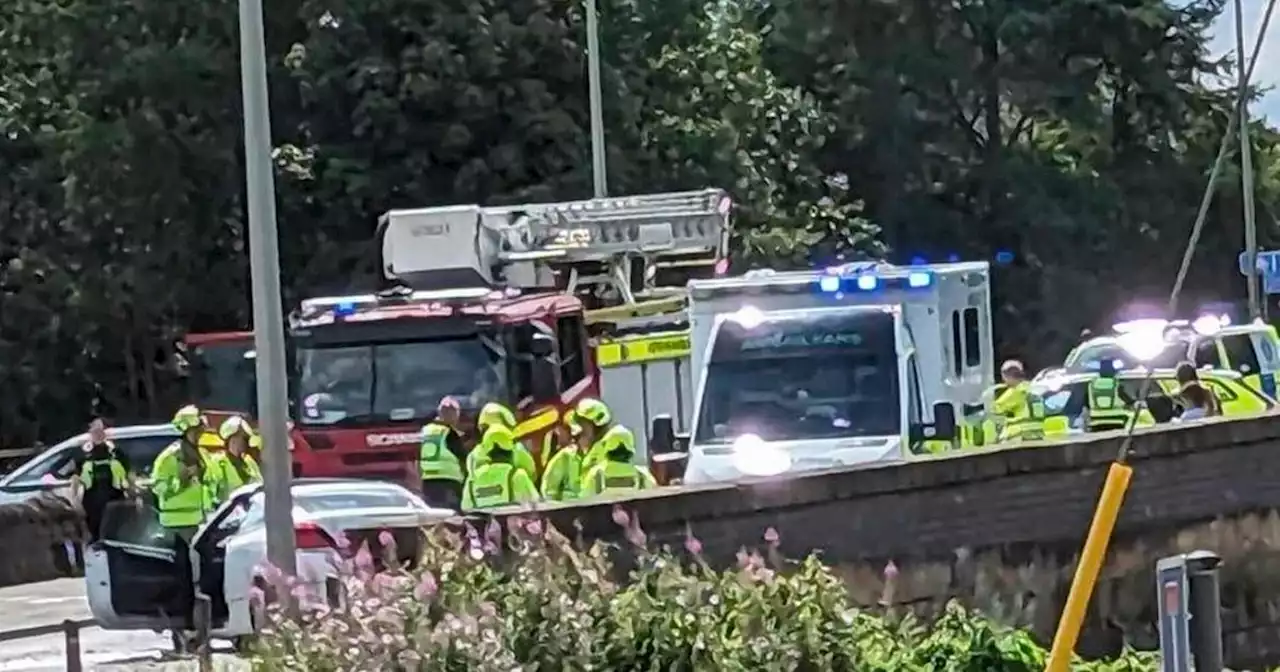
(953, 258)
(918, 261)
(829, 284)
(343, 309)
(1004, 257)
(918, 279)
(867, 283)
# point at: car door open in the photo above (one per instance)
(138, 576)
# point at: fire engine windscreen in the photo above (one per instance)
(818, 375)
(394, 382)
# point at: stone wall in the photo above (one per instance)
(35, 537)
(1001, 529)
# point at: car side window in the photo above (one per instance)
(140, 452)
(130, 522)
(60, 465)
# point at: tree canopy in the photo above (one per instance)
(1070, 139)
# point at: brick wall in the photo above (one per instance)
(1000, 529)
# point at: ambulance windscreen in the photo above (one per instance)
(823, 375)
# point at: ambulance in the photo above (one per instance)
(861, 364)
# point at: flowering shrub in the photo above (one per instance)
(544, 604)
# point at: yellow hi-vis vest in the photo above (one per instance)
(435, 461)
(184, 503)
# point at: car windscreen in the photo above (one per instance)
(327, 499)
(814, 375)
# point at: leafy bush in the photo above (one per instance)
(546, 604)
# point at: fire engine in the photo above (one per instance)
(535, 305)
(855, 365)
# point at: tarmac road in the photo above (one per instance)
(55, 601)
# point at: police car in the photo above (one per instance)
(1065, 394)
(139, 576)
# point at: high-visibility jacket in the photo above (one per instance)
(1023, 413)
(1107, 410)
(497, 484)
(616, 476)
(104, 472)
(521, 458)
(562, 480)
(236, 472)
(435, 461)
(184, 503)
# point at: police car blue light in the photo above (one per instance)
(867, 282)
(343, 309)
(829, 284)
(919, 279)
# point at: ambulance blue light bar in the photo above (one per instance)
(836, 283)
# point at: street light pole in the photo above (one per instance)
(268, 317)
(599, 177)
(1246, 174)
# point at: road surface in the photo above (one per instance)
(55, 601)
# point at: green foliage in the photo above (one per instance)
(542, 604)
(1073, 133)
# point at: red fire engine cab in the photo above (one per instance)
(482, 304)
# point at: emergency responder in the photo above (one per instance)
(440, 458)
(1106, 408)
(593, 420)
(236, 466)
(1187, 376)
(1023, 412)
(102, 480)
(493, 415)
(184, 479)
(498, 481)
(615, 471)
(562, 479)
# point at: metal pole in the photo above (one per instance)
(1246, 172)
(599, 177)
(71, 633)
(1206, 610)
(268, 317)
(203, 621)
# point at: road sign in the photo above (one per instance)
(1172, 601)
(1268, 263)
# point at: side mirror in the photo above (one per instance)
(667, 450)
(943, 427)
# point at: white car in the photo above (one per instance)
(52, 469)
(141, 577)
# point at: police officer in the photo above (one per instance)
(1106, 409)
(498, 481)
(562, 479)
(1022, 411)
(184, 479)
(236, 466)
(493, 415)
(103, 478)
(440, 458)
(614, 471)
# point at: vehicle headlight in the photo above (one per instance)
(753, 456)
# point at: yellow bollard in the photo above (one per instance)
(1091, 558)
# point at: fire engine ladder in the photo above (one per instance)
(614, 247)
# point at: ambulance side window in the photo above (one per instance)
(957, 344)
(571, 337)
(972, 339)
(1207, 354)
(914, 401)
(1240, 353)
